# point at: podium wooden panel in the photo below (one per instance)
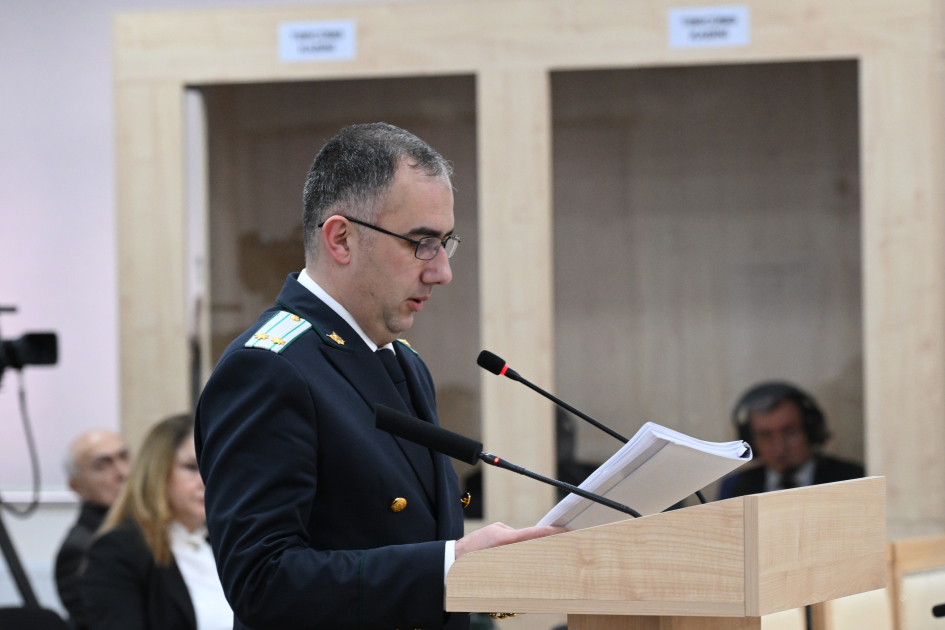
(737, 559)
(912, 556)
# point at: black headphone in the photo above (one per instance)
(765, 396)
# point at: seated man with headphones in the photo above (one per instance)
(783, 425)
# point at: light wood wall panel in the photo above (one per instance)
(904, 288)
(515, 285)
(707, 237)
(153, 349)
(405, 38)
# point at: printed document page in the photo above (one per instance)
(657, 468)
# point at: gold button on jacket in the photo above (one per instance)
(398, 504)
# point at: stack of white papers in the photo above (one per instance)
(657, 468)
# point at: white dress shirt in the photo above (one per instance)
(194, 558)
(803, 477)
(306, 281)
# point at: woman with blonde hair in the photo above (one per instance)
(151, 567)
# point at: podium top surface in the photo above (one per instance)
(748, 556)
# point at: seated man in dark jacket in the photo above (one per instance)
(97, 464)
(784, 426)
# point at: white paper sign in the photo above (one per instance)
(700, 27)
(316, 41)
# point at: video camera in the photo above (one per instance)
(35, 348)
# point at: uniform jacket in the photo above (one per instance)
(70, 558)
(299, 483)
(752, 481)
(124, 589)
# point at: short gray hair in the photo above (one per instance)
(356, 168)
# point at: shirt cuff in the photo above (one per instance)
(448, 558)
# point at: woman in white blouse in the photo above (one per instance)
(151, 567)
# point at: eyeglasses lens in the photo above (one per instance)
(429, 247)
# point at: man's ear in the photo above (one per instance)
(336, 233)
(74, 486)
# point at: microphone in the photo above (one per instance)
(427, 434)
(470, 451)
(938, 611)
(497, 365)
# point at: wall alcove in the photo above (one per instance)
(707, 237)
(261, 140)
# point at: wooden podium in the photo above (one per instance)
(718, 566)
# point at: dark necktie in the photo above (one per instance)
(421, 458)
(392, 365)
(787, 478)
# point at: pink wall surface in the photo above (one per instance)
(57, 220)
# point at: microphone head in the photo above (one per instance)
(426, 434)
(490, 362)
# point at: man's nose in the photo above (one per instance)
(437, 270)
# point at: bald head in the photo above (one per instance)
(97, 465)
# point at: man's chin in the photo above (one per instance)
(400, 324)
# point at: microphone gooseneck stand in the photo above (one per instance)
(468, 450)
(497, 365)
(16, 568)
(498, 462)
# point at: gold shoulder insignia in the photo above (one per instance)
(278, 332)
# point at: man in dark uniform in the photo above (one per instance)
(96, 464)
(784, 426)
(318, 519)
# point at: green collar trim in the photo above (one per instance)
(408, 346)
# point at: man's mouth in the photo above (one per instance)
(416, 303)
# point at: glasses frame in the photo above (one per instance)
(416, 243)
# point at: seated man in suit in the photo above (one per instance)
(96, 464)
(784, 426)
(317, 518)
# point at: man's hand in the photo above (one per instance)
(499, 534)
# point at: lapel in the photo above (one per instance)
(423, 402)
(176, 590)
(361, 368)
(820, 471)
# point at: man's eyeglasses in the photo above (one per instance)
(426, 248)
